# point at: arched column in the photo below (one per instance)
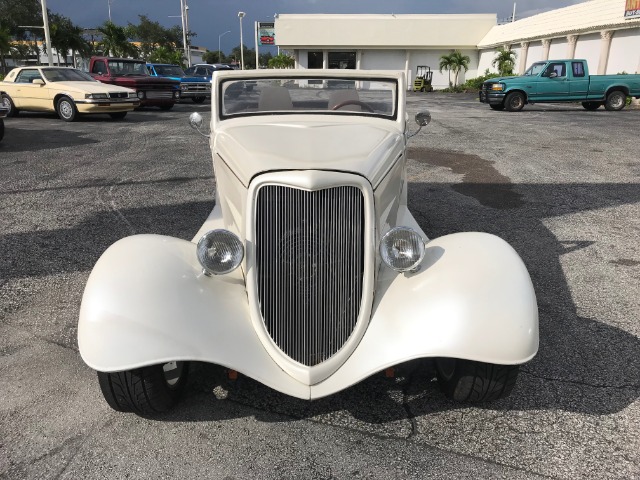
(524, 50)
(571, 45)
(605, 47)
(546, 46)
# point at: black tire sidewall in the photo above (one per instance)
(1, 129)
(509, 99)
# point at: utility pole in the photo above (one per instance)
(47, 35)
(241, 16)
(513, 17)
(184, 32)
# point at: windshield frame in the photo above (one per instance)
(116, 72)
(530, 69)
(342, 113)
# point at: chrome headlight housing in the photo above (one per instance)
(497, 87)
(133, 94)
(219, 252)
(183, 87)
(96, 96)
(402, 249)
(176, 94)
(140, 94)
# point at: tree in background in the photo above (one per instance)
(212, 57)
(166, 55)
(454, 62)
(115, 41)
(153, 36)
(249, 56)
(14, 13)
(65, 37)
(281, 61)
(505, 62)
(264, 58)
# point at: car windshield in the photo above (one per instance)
(535, 69)
(169, 70)
(340, 96)
(123, 67)
(66, 75)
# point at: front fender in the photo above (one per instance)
(147, 302)
(472, 299)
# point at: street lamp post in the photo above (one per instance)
(184, 31)
(219, 51)
(241, 16)
(47, 36)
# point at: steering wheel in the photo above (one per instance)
(353, 102)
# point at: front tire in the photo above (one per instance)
(497, 107)
(591, 105)
(8, 103)
(199, 99)
(514, 102)
(616, 100)
(145, 391)
(469, 381)
(66, 109)
(166, 107)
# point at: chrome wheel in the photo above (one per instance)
(173, 373)
(66, 110)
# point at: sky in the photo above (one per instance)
(209, 19)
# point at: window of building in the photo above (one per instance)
(314, 60)
(342, 60)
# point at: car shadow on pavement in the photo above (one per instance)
(584, 365)
(21, 139)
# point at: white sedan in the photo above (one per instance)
(66, 91)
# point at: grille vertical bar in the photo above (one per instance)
(309, 265)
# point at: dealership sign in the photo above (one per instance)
(266, 33)
(632, 9)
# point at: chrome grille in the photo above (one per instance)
(118, 94)
(309, 267)
(159, 94)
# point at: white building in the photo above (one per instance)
(596, 30)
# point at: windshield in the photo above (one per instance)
(66, 75)
(123, 67)
(169, 70)
(338, 96)
(535, 69)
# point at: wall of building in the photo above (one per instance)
(624, 55)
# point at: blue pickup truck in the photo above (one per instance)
(560, 81)
(196, 88)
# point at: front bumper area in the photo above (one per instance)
(107, 105)
(492, 98)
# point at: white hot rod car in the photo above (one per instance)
(310, 274)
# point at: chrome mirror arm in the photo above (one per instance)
(195, 120)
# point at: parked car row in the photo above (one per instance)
(114, 86)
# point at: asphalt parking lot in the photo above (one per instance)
(561, 184)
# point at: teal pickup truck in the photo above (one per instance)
(560, 81)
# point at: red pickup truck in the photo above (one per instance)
(126, 72)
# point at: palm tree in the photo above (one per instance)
(115, 42)
(5, 47)
(458, 62)
(281, 61)
(505, 61)
(446, 64)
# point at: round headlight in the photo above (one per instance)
(402, 249)
(176, 94)
(220, 252)
(140, 94)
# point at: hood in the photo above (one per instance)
(501, 79)
(88, 87)
(143, 80)
(364, 149)
(196, 79)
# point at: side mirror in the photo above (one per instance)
(195, 120)
(422, 119)
(38, 81)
